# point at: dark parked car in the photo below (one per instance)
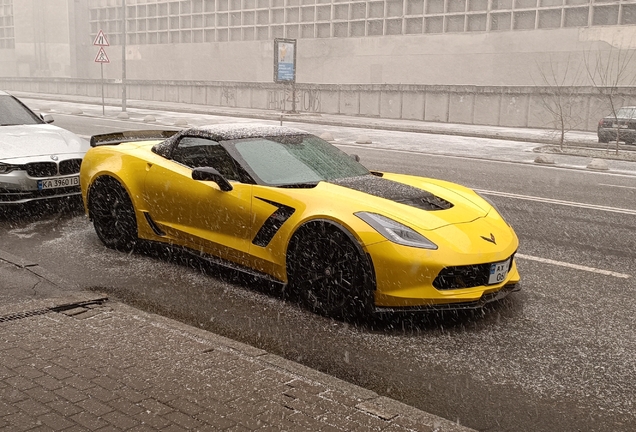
(623, 126)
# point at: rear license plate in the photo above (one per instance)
(498, 272)
(60, 182)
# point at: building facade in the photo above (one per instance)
(428, 42)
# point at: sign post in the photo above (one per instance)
(101, 58)
(285, 65)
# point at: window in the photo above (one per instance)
(200, 152)
(605, 15)
(576, 17)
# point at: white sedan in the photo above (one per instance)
(37, 160)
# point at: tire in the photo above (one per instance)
(329, 273)
(603, 140)
(113, 214)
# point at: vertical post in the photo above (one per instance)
(101, 67)
(294, 97)
(123, 59)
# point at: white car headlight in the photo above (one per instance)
(395, 231)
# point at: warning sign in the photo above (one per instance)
(100, 40)
(101, 56)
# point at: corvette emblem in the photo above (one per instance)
(54, 157)
(490, 239)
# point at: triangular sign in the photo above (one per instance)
(101, 56)
(100, 39)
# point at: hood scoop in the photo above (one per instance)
(394, 191)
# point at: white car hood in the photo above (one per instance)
(39, 140)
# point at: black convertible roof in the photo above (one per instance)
(226, 132)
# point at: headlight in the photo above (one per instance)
(6, 168)
(396, 232)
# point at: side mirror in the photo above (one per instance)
(355, 157)
(210, 174)
(47, 118)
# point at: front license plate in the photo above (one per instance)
(498, 272)
(58, 182)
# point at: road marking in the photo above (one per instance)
(617, 186)
(560, 202)
(573, 266)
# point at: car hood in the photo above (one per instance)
(424, 204)
(37, 140)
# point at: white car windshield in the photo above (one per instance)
(13, 112)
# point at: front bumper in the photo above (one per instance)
(409, 278)
(17, 187)
(469, 305)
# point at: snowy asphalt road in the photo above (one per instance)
(558, 355)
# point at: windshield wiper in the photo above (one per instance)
(299, 185)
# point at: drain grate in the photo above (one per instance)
(67, 309)
(20, 315)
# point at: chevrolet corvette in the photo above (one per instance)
(290, 207)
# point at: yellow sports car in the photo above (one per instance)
(289, 206)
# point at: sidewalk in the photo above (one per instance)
(77, 361)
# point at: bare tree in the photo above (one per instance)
(560, 97)
(609, 71)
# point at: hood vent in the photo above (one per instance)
(394, 191)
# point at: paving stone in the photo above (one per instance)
(88, 420)
(58, 372)
(94, 406)
(55, 421)
(185, 406)
(64, 407)
(120, 420)
(218, 422)
(156, 407)
(20, 421)
(7, 408)
(70, 394)
(11, 394)
(184, 420)
(48, 382)
(20, 383)
(32, 407)
(79, 383)
(101, 393)
(152, 420)
(27, 371)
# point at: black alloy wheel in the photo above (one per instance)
(328, 272)
(113, 214)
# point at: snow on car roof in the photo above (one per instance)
(225, 132)
(233, 131)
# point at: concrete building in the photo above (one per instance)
(502, 44)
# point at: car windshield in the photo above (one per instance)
(291, 160)
(626, 112)
(13, 112)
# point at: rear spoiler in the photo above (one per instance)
(129, 136)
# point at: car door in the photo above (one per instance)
(198, 214)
